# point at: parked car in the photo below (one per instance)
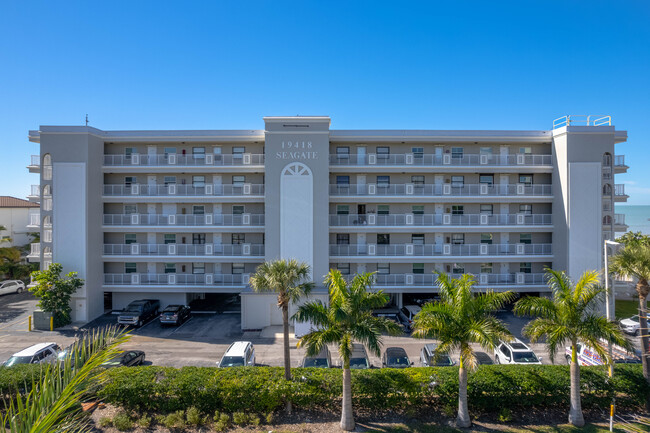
(394, 315)
(630, 325)
(588, 356)
(139, 312)
(175, 315)
(322, 359)
(428, 358)
(395, 357)
(37, 354)
(515, 352)
(410, 311)
(11, 286)
(239, 354)
(129, 358)
(359, 357)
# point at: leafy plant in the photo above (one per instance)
(240, 418)
(122, 421)
(54, 292)
(194, 417)
(145, 421)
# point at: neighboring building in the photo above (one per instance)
(16, 216)
(184, 215)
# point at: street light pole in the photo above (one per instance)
(609, 307)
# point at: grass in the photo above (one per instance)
(625, 309)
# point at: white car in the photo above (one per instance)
(11, 286)
(515, 352)
(36, 354)
(239, 354)
(631, 325)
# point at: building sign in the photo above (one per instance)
(296, 150)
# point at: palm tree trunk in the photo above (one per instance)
(347, 417)
(463, 420)
(575, 412)
(643, 336)
(287, 355)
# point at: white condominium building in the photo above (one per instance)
(182, 216)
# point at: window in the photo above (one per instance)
(237, 268)
(457, 152)
(343, 181)
(169, 151)
(129, 180)
(198, 181)
(457, 181)
(486, 151)
(486, 268)
(486, 238)
(238, 152)
(383, 152)
(343, 268)
(342, 209)
(526, 179)
(238, 238)
(383, 181)
(525, 238)
(342, 239)
(418, 180)
(417, 239)
(169, 239)
(198, 152)
(237, 209)
(458, 238)
(198, 210)
(383, 209)
(170, 180)
(525, 267)
(486, 209)
(526, 150)
(170, 268)
(418, 152)
(343, 152)
(130, 208)
(383, 239)
(128, 151)
(383, 268)
(457, 209)
(417, 210)
(130, 238)
(198, 268)
(486, 178)
(457, 268)
(238, 180)
(198, 238)
(526, 209)
(418, 268)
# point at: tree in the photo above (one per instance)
(289, 279)
(572, 317)
(346, 320)
(4, 239)
(461, 318)
(634, 238)
(12, 266)
(54, 292)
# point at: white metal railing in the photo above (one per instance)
(221, 220)
(583, 120)
(619, 189)
(619, 219)
(35, 191)
(426, 220)
(429, 280)
(35, 161)
(442, 160)
(184, 190)
(35, 219)
(430, 190)
(177, 279)
(619, 161)
(173, 159)
(35, 249)
(214, 250)
(439, 250)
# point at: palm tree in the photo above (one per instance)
(4, 239)
(346, 320)
(571, 316)
(289, 279)
(459, 319)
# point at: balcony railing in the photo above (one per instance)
(172, 159)
(35, 249)
(393, 250)
(619, 161)
(619, 219)
(429, 160)
(35, 191)
(35, 161)
(184, 190)
(184, 220)
(429, 280)
(619, 190)
(177, 279)
(430, 190)
(431, 220)
(208, 250)
(35, 219)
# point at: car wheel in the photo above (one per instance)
(568, 360)
(497, 360)
(636, 333)
(20, 290)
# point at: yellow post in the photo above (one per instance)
(52, 323)
(29, 326)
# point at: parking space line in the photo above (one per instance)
(179, 327)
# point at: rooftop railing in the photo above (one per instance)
(184, 220)
(582, 120)
(173, 159)
(430, 190)
(184, 190)
(426, 220)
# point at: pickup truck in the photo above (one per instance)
(139, 312)
(588, 356)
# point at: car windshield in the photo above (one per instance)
(232, 361)
(169, 312)
(18, 360)
(634, 319)
(316, 362)
(358, 363)
(524, 357)
(116, 360)
(441, 361)
(397, 361)
(133, 309)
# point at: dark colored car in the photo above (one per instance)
(428, 357)
(129, 358)
(323, 359)
(395, 357)
(175, 315)
(138, 313)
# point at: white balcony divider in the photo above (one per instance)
(209, 249)
(209, 279)
(409, 219)
(483, 249)
(171, 249)
(372, 219)
(135, 278)
(408, 279)
(446, 189)
(483, 219)
(446, 219)
(135, 159)
(247, 159)
(246, 219)
(135, 189)
(247, 189)
(520, 159)
(209, 219)
(135, 219)
(372, 249)
(409, 159)
(483, 190)
(483, 159)
(372, 189)
(520, 249)
(171, 278)
(372, 158)
(209, 189)
(245, 278)
(135, 249)
(520, 277)
(446, 159)
(409, 249)
(409, 189)
(446, 249)
(171, 159)
(483, 279)
(246, 249)
(171, 219)
(209, 159)
(520, 218)
(520, 189)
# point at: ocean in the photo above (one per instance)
(636, 217)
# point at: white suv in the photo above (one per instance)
(36, 354)
(515, 352)
(631, 325)
(239, 354)
(11, 286)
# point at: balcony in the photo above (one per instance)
(175, 161)
(619, 223)
(174, 191)
(211, 220)
(482, 280)
(35, 193)
(436, 220)
(173, 279)
(34, 164)
(442, 190)
(440, 250)
(181, 250)
(34, 221)
(34, 252)
(619, 193)
(619, 164)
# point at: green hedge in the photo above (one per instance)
(18, 378)
(263, 389)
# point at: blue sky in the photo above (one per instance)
(421, 65)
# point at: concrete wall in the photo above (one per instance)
(15, 220)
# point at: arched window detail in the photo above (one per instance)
(607, 159)
(607, 189)
(607, 219)
(47, 189)
(47, 221)
(47, 167)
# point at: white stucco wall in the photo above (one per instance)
(15, 220)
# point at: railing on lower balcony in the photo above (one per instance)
(206, 250)
(35, 161)
(184, 190)
(35, 249)
(429, 280)
(447, 189)
(184, 220)
(35, 219)
(619, 190)
(35, 191)
(171, 279)
(619, 161)
(426, 220)
(179, 160)
(429, 250)
(432, 160)
(619, 219)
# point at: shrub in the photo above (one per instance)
(105, 422)
(222, 423)
(175, 420)
(145, 421)
(122, 421)
(505, 415)
(194, 417)
(269, 418)
(254, 420)
(18, 378)
(240, 418)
